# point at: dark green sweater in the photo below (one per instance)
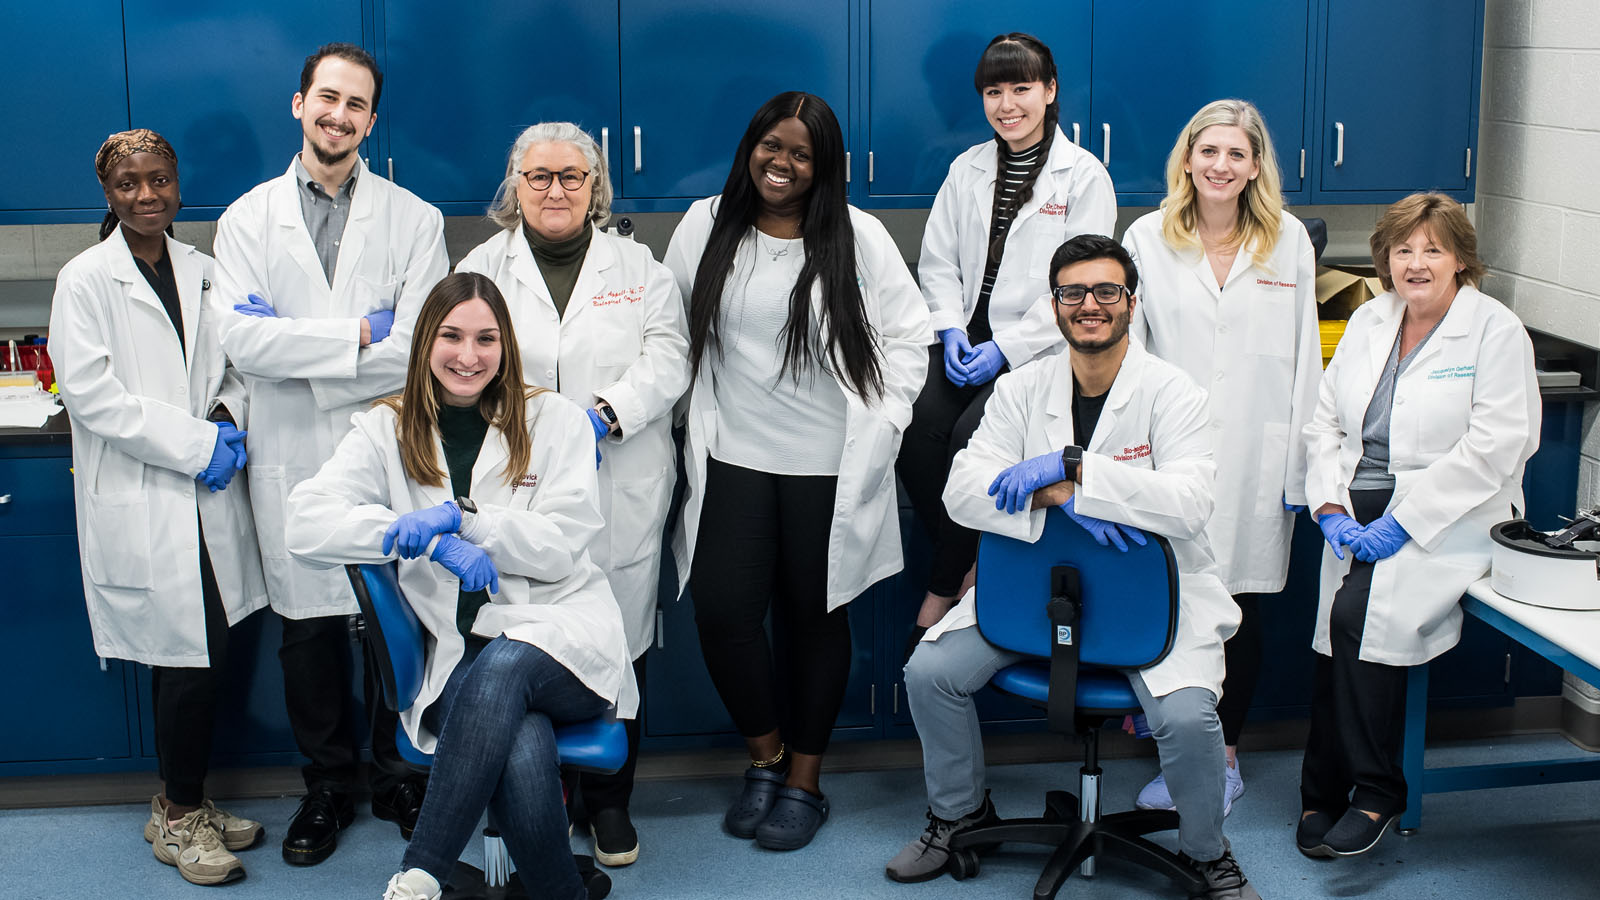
(559, 262)
(461, 431)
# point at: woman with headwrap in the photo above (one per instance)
(168, 549)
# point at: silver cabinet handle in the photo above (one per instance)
(870, 167)
(1302, 162)
(605, 145)
(1468, 172)
(391, 168)
(1105, 147)
(1076, 134)
(1338, 144)
(661, 630)
(638, 149)
(4, 499)
(847, 167)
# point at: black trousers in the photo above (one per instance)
(184, 700)
(763, 544)
(615, 790)
(943, 419)
(315, 655)
(1358, 708)
(1242, 654)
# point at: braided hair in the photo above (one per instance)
(1016, 57)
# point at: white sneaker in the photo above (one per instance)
(1156, 796)
(1234, 789)
(413, 884)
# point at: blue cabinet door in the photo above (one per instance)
(59, 705)
(1157, 62)
(922, 108)
(1399, 97)
(460, 88)
(59, 114)
(217, 80)
(695, 71)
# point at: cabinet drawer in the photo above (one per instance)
(36, 496)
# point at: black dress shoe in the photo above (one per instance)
(400, 804)
(1355, 832)
(314, 830)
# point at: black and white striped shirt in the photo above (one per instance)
(1013, 171)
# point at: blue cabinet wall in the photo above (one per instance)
(670, 84)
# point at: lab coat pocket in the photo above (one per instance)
(618, 341)
(373, 294)
(269, 495)
(1274, 469)
(1272, 323)
(117, 543)
(638, 506)
(1441, 417)
(880, 444)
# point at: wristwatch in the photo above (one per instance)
(468, 508)
(1072, 460)
(607, 413)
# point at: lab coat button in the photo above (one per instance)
(549, 373)
(182, 390)
(1219, 376)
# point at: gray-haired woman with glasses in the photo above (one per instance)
(600, 321)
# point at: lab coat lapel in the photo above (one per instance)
(1122, 391)
(1058, 405)
(1457, 323)
(1200, 268)
(1381, 337)
(190, 276)
(125, 270)
(591, 281)
(489, 468)
(435, 494)
(288, 218)
(363, 206)
(526, 269)
(987, 163)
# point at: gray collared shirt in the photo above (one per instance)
(325, 214)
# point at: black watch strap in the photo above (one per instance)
(467, 506)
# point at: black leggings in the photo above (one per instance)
(1242, 654)
(184, 700)
(763, 543)
(1358, 708)
(614, 791)
(942, 422)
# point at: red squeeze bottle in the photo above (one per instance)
(42, 366)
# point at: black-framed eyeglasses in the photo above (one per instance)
(1106, 293)
(540, 180)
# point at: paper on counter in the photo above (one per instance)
(26, 410)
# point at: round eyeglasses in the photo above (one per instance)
(1106, 293)
(540, 180)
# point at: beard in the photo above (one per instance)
(1119, 320)
(325, 156)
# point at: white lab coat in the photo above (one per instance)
(1072, 196)
(1465, 420)
(864, 538)
(306, 371)
(1254, 345)
(138, 405)
(537, 531)
(1148, 465)
(623, 339)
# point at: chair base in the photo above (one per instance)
(467, 883)
(1119, 835)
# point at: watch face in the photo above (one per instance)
(467, 505)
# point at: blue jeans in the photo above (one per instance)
(497, 751)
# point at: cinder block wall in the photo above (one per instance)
(1538, 209)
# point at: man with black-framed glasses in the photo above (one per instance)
(1116, 438)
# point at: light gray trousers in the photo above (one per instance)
(941, 678)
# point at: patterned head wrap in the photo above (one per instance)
(124, 144)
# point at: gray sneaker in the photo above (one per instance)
(195, 847)
(926, 857)
(1224, 879)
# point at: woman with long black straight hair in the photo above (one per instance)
(806, 343)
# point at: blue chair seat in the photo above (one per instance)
(1099, 690)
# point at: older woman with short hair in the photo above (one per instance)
(602, 322)
(1426, 417)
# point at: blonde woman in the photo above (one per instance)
(1228, 296)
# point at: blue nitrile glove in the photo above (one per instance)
(1105, 533)
(1295, 508)
(983, 363)
(468, 562)
(257, 307)
(379, 324)
(1012, 488)
(227, 457)
(1381, 539)
(413, 530)
(1338, 528)
(956, 349)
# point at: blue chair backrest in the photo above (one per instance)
(394, 630)
(1130, 600)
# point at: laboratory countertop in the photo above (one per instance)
(55, 431)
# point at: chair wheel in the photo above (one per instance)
(963, 864)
